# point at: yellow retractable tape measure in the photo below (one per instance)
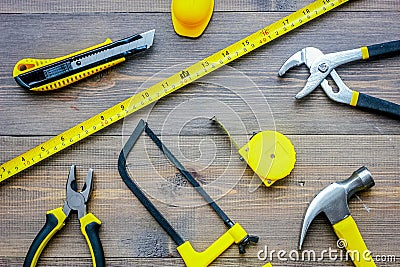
(167, 86)
(270, 154)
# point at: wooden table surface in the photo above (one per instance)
(331, 140)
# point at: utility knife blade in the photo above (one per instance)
(50, 74)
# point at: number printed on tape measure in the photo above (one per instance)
(169, 85)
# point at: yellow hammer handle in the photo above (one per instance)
(347, 230)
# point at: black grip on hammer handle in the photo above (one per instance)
(381, 106)
(42, 238)
(383, 49)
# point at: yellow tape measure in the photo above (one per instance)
(166, 86)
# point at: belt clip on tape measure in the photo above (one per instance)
(269, 154)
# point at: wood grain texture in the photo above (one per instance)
(274, 214)
(331, 140)
(87, 98)
(90, 6)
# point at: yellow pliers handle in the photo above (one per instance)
(55, 220)
(90, 226)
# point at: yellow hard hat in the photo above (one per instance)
(190, 17)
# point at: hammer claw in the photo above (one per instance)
(308, 218)
(332, 201)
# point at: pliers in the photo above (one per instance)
(55, 220)
(321, 66)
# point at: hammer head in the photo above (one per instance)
(333, 199)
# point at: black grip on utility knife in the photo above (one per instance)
(378, 105)
(384, 49)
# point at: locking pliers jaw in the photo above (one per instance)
(320, 67)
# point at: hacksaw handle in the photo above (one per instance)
(352, 240)
(192, 258)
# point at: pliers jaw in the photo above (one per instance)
(76, 201)
(295, 60)
(311, 57)
(320, 66)
(55, 220)
(343, 94)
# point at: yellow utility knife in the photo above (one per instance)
(49, 74)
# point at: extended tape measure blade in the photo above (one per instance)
(167, 86)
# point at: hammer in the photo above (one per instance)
(333, 201)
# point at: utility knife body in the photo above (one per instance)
(49, 74)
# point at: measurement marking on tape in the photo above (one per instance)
(167, 86)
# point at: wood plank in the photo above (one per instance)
(90, 6)
(331, 140)
(85, 99)
(174, 262)
(129, 233)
